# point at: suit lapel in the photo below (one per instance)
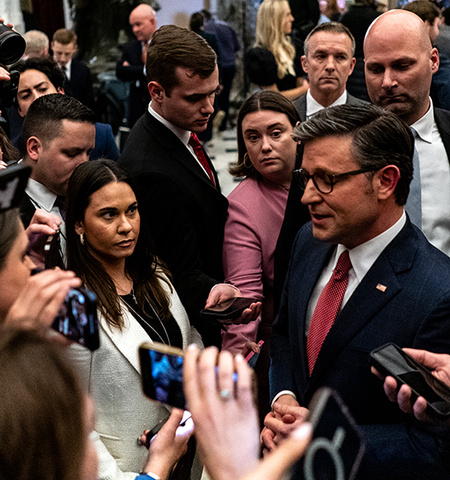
(178, 151)
(442, 119)
(368, 300)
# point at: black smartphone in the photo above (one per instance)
(13, 181)
(391, 360)
(77, 318)
(337, 445)
(162, 373)
(229, 311)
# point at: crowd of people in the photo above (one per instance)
(339, 233)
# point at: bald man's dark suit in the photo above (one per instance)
(412, 309)
(183, 211)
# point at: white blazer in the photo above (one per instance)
(111, 375)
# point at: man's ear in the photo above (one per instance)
(79, 228)
(61, 90)
(389, 177)
(34, 148)
(156, 91)
(434, 58)
(304, 64)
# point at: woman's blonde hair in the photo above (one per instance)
(270, 35)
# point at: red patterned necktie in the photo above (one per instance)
(194, 142)
(327, 308)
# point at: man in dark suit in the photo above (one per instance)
(131, 66)
(78, 81)
(181, 202)
(361, 275)
(399, 79)
(328, 61)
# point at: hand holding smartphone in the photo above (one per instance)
(229, 311)
(391, 360)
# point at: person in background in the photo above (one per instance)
(37, 44)
(273, 25)
(78, 77)
(131, 66)
(111, 252)
(42, 76)
(228, 48)
(266, 158)
(8, 152)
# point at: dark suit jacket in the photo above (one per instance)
(296, 214)
(134, 73)
(80, 83)
(105, 144)
(413, 311)
(184, 212)
(442, 119)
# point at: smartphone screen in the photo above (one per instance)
(77, 318)
(228, 311)
(162, 374)
(337, 446)
(391, 360)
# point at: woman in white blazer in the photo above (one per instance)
(136, 303)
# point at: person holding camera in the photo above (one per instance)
(108, 247)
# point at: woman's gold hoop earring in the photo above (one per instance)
(82, 238)
(247, 161)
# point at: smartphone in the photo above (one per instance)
(162, 373)
(229, 311)
(337, 445)
(13, 181)
(391, 360)
(77, 318)
(252, 357)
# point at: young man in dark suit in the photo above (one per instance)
(181, 202)
(78, 81)
(356, 281)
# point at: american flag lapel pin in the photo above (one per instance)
(381, 288)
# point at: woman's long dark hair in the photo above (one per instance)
(143, 267)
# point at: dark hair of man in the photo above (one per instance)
(173, 47)
(64, 36)
(196, 22)
(9, 230)
(43, 404)
(263, 100)
(142, 266)
(330, 27)
(446, 15)
(379, 138)
(45, 115)
(46, 65)
(424, 9)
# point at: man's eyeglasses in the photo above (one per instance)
(324, 182)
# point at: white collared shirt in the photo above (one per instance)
(434, 181)
(313, 106)
(181, 133)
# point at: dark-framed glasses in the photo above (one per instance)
(325, 182)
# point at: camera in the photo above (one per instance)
(12, 45)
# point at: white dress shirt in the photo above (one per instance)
(312, 106)
(434, 182)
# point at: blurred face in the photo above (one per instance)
(62, 54)
(267, 137)
(111, 223)
(190, 104)
(89, 468)
(53, 162)
(349, 214)
(328, 64)
(286, 23)
(143, 25)
(433, 30)
(15, 272)
(32, 84)
(398, 67)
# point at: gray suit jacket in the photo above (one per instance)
(300, 104)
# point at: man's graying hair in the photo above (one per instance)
(379, 138)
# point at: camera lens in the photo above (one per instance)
(12, 45)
